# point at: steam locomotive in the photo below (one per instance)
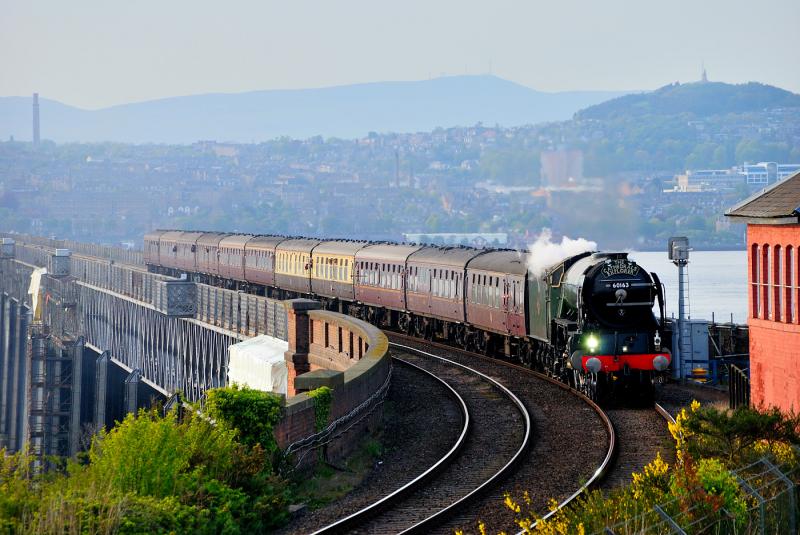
(588, 320)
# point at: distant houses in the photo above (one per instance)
(754, 175)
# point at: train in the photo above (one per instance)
(587, 320)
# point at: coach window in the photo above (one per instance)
(472, 288)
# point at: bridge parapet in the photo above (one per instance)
(345, 354)
(118, 254)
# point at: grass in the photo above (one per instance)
(330, 483)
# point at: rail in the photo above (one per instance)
(425, 524)
(598, 475)
(359, 516)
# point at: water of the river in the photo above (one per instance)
(717, 283)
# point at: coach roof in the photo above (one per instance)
(513, 262)
(388, 252)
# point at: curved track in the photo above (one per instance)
(563, 420)
(498, 421)
(641, 433)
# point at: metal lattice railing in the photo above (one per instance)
(769, 506)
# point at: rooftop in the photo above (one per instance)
(779, 203)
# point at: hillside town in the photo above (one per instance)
(489, 184)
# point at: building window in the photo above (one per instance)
(778, 279)
(790, 316)
(764, 278)
(775, 283)
(755, 279)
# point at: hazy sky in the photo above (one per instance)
(95, 53)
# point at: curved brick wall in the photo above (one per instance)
(322, 340)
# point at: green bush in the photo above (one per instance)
(149, 474)
(322, 396)
(252, 413)
(700, 488)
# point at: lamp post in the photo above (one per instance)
(678, 251)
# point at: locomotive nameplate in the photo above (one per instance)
(620, 267)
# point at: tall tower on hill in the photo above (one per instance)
(36, 118)
(703, 75)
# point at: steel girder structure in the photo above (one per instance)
(177, 354)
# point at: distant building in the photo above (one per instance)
(709, 180)
(765, 173)
(773, 260)
(561, 168)
(756, 175)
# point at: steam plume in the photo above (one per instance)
(544, 253)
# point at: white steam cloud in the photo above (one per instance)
(544, 253)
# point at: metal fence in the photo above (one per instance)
(769, 506)
(738, 386)
(108, 252)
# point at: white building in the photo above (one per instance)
(765, 173)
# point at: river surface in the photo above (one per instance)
(717, 283)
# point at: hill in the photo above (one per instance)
(345, 111)
(701, 99)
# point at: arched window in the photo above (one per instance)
(788, 273)
(766, 251)
(755, 279)
(777, 283)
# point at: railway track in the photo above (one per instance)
(641, 433)
(635, 435)
(494, 420)
(551, 404)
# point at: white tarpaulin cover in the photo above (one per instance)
(34, 290)
(259, 364)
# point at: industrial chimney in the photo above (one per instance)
(36, 118)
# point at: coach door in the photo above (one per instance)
(506, 301)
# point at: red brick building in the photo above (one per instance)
(773, 260)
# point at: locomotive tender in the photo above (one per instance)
(587, 320)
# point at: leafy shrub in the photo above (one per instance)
(149, 474)
(252, 413)
(322, 397)
(738, 437)
(700, 488)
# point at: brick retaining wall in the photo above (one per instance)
(353, 347)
